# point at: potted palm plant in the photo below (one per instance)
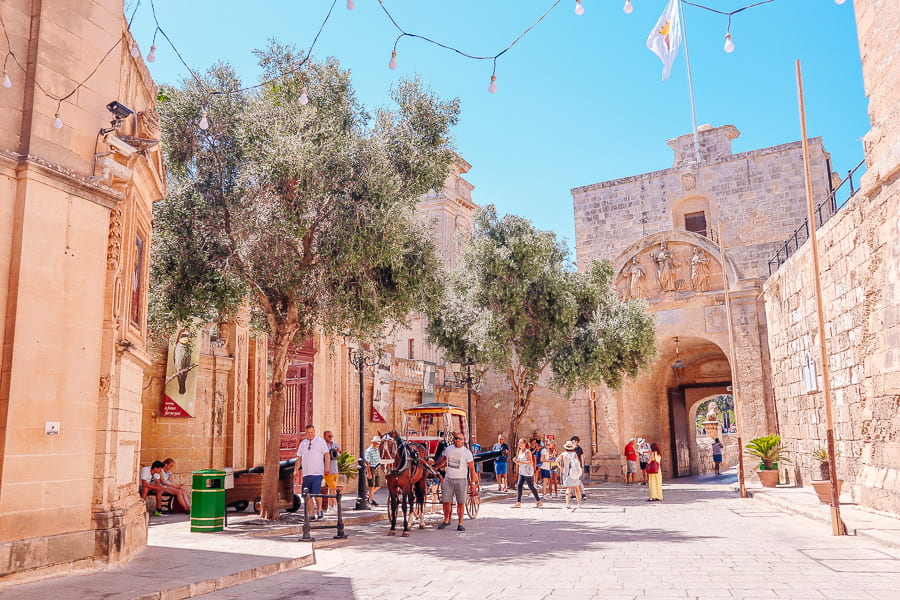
(347, 467)
(770, 452)
(822, 486)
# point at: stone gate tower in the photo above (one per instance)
(660, 231)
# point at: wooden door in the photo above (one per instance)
(297, 407)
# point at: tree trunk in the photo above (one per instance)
(281, 341)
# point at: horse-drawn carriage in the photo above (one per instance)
(427, 430)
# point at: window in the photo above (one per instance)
(695, 222)
(411, 349)
(137, 282)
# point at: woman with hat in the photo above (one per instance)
(570, 472)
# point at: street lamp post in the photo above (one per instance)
(359, 360)
(471, 380)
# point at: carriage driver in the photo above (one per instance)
(459, 463)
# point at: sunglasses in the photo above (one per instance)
(460, 439)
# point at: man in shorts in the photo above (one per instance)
(373, 468)
(501, 463)
(459, 464)
(330, 480)
(631, 461)
(314, 464)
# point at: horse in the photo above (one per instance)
(406, 480)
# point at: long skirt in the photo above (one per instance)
(654, 486)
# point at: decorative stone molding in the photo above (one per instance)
(114, 245)
(688, 181)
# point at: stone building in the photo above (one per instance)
(661, 232)
(75, 202)
(860, 272)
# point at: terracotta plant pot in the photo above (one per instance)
(769, 478)
(823, 489)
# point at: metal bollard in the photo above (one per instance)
(306, 537)
(340, 518)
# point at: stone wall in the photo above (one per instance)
(74, 250)
(860, 264)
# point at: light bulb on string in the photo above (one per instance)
(493, 87)
(304, 99)
(7, 82)
(351, 4)
(393, 63)
(579, 9)
(151, 56)
(135, 51)
(628, 8)
(58, 122)
(729, 45)
(204, 122)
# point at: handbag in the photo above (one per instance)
(653, 467)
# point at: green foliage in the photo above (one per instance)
(768, 450)
(347, 464)
(516, 305)
(307, 209)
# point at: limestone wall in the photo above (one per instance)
(860, 264)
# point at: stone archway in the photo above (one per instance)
(701, 454)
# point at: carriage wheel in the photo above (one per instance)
(473, 501)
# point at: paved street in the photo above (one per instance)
(701, 542)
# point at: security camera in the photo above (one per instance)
(115, 169)
(119, 110)
(119, 145)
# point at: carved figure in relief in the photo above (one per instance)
(665, 268)
(634, 272)
(699, 270)
(712, 411)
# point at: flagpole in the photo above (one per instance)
(687, 60)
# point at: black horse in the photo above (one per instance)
(406, 480)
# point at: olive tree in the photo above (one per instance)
(518, 307)
(299, 201)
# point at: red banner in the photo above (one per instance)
(170, 408)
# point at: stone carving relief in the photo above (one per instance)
(666, 265)
(699, 270)
(716, 319)
(688, 181)
(635, 275)
(114, 243)
(104, 384)
(715, 369)
(678, 267)
(148, 124)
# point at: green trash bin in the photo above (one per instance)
(208, 500)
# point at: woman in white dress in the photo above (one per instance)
(570, 472)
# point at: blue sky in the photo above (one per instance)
(579, 98)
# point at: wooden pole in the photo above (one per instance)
(735, 388)
(837, 524)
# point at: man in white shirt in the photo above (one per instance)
(313, 454)
(459, 463)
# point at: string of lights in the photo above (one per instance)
(7, 81)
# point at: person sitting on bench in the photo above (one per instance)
(182, 495)
(150, 482)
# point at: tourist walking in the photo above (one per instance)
(580, 453)
(373, 468)
(571, 471)
(314, 464)
(525, 464)
(330, 481)
(550, 454)
(717, 451)
(631, 461)
(501, 463)
(643, 448)
(654, 474)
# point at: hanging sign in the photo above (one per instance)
(180, 392)
(429, 379)
(381, 389)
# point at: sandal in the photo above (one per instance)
(539, 504)
(517, 505)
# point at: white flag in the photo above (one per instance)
(665, 37)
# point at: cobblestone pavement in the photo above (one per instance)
(702, 542)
